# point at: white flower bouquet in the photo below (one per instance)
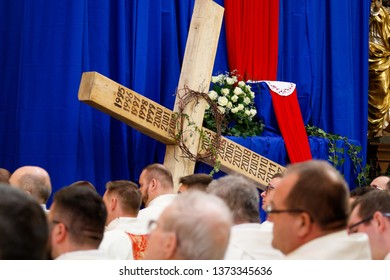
(235, 101)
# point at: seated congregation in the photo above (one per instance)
(311, 214)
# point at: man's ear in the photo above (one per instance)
(113, 203)
(170, 246)
(153, 184)
(304, 224)
(379, 221)
(59, 233)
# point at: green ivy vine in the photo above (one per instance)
(336, 153)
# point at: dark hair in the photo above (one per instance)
(161, 173)
(362, 191)
(196, 181)
(127, 193)
(372, 202)
(23, 226)
(83, 212)
(83, 183)
(322, 192)
(277, 175)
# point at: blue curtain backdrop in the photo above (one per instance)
(45, 46)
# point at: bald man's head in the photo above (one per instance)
(33, 180)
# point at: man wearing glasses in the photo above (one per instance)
(195, 226)
(309, 211)
(266, 195)
(371, 215)
(381, 183)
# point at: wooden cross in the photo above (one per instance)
(159, 122)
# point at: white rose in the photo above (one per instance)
(235, 79)
(229, 105)
(248, 87)
(223, 101)
(247, 100)
(229, 81)
(240, 107)
(221, 109)
(241, 83)
(238, 91)
(234, 110)
(214, 79)
(213, 94)
(253, 112)
(247, 112)
(225, 91)
(234, 98)
(252, 94)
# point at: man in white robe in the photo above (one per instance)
(77, 218)
(33, 180)
(156, 186)
(309, 211)
(248, 239)
(123, 201)
(266, 195)
(195, 226)
(371, 215)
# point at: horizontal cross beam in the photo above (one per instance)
(159, 123)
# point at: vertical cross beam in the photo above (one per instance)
(196, 73)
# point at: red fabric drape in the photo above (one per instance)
(252, 43)
(252, 37)
(288, 114)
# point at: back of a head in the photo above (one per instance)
(23, 226)
(83, 212)
(380, 182)
(322, 192)
(372, 202)
(83, 183)
(198, 181)
(161, 173)
(359, 191)
(240, 195)
(4, 175)
(33, 180)
(202, 225)
(128, 195)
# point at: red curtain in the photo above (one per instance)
(252, 37)
(252, 41)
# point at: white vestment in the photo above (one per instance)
(251, 242)
(154, 209)
(116, 242)
(334, 246)
(84, 255)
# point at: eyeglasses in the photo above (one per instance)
(355, 225)
(377, 187)
(270, 210)
(152, 225)
(363, 221)
(268, 189)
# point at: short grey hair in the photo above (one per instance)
(240, 195)
(36, 186)
(202, 225)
